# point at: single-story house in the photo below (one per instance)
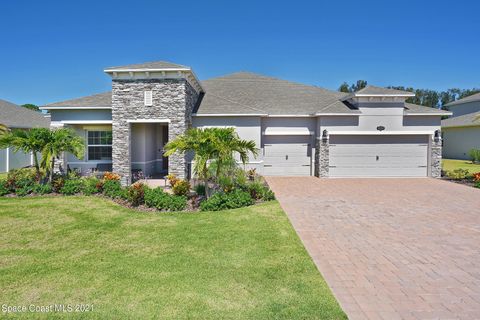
(300, 129)
(461, 132)
(16, 117)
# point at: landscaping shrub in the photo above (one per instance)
(136, 193)
(172, 179)
(476, 177)
(58, 182)
(477, 184)
(24, 190)
(251, 174)
(4, 189)
(156, 198)
(21, 178)
(259, 191)
(113, 189)
(181, 188)
(474, 155)
(42, 188)
(110, 176)
(91, 185)
(200, 189)
(458, 174)
(71, 186)
(222, 201)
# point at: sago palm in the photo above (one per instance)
(60, 141)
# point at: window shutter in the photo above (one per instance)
(148, 98)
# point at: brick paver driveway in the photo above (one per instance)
(391, 248)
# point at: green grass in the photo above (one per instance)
(451, 164)
(3, 175)
(241, 264)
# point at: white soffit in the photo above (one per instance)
(291, 131)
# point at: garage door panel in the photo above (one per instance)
(286, 171)
(287, 156)
(378, 172)
(394, 156)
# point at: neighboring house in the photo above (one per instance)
(16, 117)
(299, 129)
(461, 132)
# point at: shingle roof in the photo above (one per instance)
(469, 119)
(250, 93)
(99, 100)
(472, 98)
(372, 90)
(162, 65)
(14, 116)
(411, 108)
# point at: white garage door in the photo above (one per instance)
(287, 155)
(378, 156)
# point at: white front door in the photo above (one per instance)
(378, 156)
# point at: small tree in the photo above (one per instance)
(26, 141)
(219, 145)
(59, 141)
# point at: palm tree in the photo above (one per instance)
(26, 141)
(59, 141)
(219, 145)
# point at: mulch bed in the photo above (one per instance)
(465, 182)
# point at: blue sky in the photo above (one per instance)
(56, 50)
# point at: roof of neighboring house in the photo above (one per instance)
(472, 98)
(159, 65)
(250, 93)
(99, 100)
(379, 91)
(14, 116)
(466, 120)
(411, 108)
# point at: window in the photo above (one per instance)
(148, 98)
(99, 145)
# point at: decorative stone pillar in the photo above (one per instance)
(436, 156)
(322, 155)
(121, 163)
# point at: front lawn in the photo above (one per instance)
(452, 164)
(242, 263)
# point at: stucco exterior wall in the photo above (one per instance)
(78, 115)
(457, 142)
(464, 108)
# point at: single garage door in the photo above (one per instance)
(287, 155)
(378, 156)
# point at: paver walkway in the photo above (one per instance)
(391, 248)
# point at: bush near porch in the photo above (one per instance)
(236, 193)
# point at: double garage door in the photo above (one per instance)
(349, 156)
(378, 156)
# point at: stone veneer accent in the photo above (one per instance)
(173, 99)
(436, 158)
(322, 157)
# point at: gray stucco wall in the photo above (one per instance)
(457, 142)
(78, 115)
(173, 99)
(464, 108)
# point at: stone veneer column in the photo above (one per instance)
(436, 157)
(322, 157)
(173, 99)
